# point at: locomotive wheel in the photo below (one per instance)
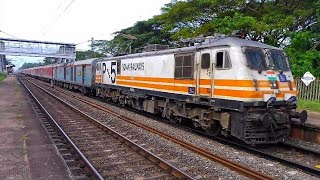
(173, 119)
(214, 129)
(168, 114)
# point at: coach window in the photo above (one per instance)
(118, 66)
(223, 60)
(205, 61)
(184, 66)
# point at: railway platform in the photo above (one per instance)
(309, 131)
(26, 150)
(313, 120)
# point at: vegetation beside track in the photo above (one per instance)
(309, 105)
(2, 76)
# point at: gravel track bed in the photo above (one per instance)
(205, 166)
(148, 171)
(293, 155)
(304, 144)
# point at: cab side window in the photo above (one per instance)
(223, 60)
(205, 61)
(184, 66)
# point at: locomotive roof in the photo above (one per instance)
(227, 41)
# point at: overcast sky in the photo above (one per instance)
(51, 20)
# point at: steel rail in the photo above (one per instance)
(309, 170)
(90, 167)
(253, 174)
(152, 157)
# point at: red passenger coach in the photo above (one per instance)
(42, 72)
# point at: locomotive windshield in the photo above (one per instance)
(278, 60)
(256, 59)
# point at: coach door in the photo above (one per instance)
(56, 72)
(205, 73)
(83, 74)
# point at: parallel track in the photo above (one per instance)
(263, 152)
(225, 162)
(89, 168)
(69, 155)
(107, 153)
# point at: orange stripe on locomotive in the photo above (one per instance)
(181, 86)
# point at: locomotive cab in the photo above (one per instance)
(251, 91)
(267, 117)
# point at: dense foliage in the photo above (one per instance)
(289, 24)
(81, 55)
(30, 65)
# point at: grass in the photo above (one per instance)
(2, 76)
(309, 105)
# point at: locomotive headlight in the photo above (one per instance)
(273, 85)
(271, 100)
(292, 100)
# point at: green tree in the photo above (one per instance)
(271, 21)
(30, 65)
(81, 55)
(302, 57)
(134, 38)
(48, 60)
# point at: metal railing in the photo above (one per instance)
(311, 92)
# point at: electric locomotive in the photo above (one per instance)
(225, 85)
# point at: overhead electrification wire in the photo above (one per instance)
(8, 34)
(83, 42)
(60, 4)
(59, 16)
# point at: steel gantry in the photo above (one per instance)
(63, 52)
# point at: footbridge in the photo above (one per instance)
(21, 47)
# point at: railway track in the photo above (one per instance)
(305, 133)
(107, 154)
(293, 156)
(74, 161)
(283, 153)
(205, 153)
